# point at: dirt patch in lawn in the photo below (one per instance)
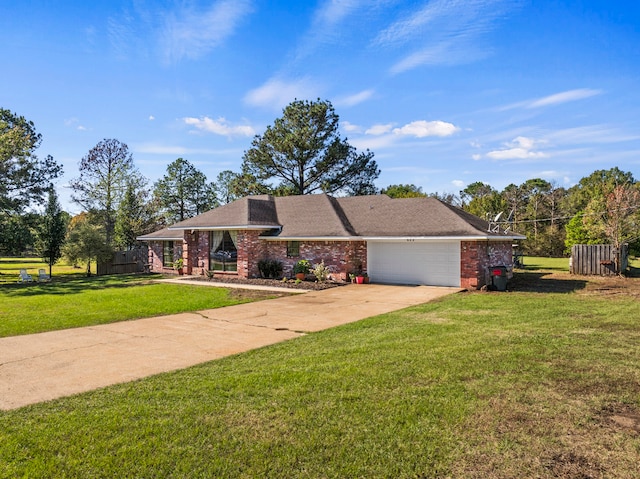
(559, 282)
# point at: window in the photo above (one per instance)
(167, 254)
(293, 249)
(223, 255)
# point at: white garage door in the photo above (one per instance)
(414, 262)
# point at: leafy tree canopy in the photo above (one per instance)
(53, 229)
(403, 191)
(105, 173)
(304, 151)
(85, 241)
(597, 184)
(183, 192)
(136, 216)
(23, 177)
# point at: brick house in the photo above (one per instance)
(404, 241)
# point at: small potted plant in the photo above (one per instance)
(301, 269)
(178, 264)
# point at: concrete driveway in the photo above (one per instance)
(45, 366)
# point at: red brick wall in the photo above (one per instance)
(338, 256)
(196, 260)
(251, 249)
(476, 259)
(155, 256)
(342, 257)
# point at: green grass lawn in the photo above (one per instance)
(36, 308)
(10, 269)
(535, 263)
(493, 385)
(72, 300)
(539, 263)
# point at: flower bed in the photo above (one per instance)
(293, 284)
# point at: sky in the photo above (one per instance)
(444, 92)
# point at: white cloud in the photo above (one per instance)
(379, 129)
(458, 183)
(219, 127)
(75, 123)
(355, 99)
(555, 99)
(277, 93)
(350, 127)
(161, 149)
(174, 150)
(422, 128)
(191, 33)
(151, 117)
(442, 32)
(334, 21)
(564, 97)
(374, 143)
(519, 149)
(591, 134)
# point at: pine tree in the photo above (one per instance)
(52, 232)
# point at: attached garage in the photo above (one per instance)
(394, 240)
(414, 261)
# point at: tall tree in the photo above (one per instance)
(183, 192)
(85, 241)
(598, 184)
(135, 217)
(52, 232)
(449, 198)
(23, 177)
(18, 233)
(482, 200)
(304, 151)
(403, 191)
(105, 173)
(536, 192)
(615, 218)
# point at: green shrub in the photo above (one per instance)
(302, 266)
(321, 272)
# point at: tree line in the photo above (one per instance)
(301, 153)
(602, 208)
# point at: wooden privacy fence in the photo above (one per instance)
(598, 259)
(124, 262)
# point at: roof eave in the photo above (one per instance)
(158, 238)
(228, 227)
(394, 238)
(312, 238)
(445, 238)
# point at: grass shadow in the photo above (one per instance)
(75, 284)
(540, 282)
(633, 272)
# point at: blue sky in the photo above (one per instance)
(444, 92)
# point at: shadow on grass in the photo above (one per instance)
(537, 282)
(75, 284)
(633, 272)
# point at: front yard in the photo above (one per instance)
(540, 382)
(71, 300)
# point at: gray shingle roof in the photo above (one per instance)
(322, 216)
(245, 213)
(164, 234)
